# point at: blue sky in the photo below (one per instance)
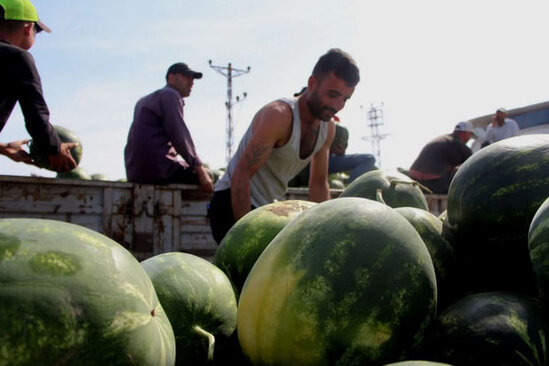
(431, 63)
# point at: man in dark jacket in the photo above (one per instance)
(20, 82)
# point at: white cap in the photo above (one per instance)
(464, 126)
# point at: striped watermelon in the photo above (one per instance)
(199, 301)
(538, 245)
(70, 295)
(429, 228)
(397, 189)
(491, 202)
(418, 363)
(247, 238)
(65, 135)
(348, 280)
(492, 328)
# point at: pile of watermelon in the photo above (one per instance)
(368, 278)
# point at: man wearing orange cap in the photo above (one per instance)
(19, 24)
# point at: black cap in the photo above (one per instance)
(182, 68)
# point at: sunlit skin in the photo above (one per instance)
(182, 83)
(272, 128)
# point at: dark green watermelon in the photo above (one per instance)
(429, 228)
(247, 238)
(76, 173)
(538, 245)
(348, 281)
(65, 135)
(397, 189)
(417, 363)
(491, 328)
(72, 296)
(491, 202)
(199, 301)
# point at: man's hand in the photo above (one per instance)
(63, 161)
(206, 184)
(14, 150)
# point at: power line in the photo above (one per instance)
(229, 72)
(376, 122)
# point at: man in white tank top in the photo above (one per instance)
(284, 136)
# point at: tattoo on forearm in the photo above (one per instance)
(255, 155)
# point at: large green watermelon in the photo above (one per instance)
(65, 135)
(76, 173)
(492, 328)
(72, 296)
(429, 228)
(491, 202)
(538, 245)
(418, 363)
(199, 301)
(248, 237)
(349, 281)
(397, 189)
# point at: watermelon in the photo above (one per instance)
(347, 281)
(248, 237)
(71, 295)
(397, 189)
(491, 202)
(429, 228)
(98, 176)
(76, 173)
(491, 328)
(199, 301)
(65, 135)
(417, 363)
(538, 245)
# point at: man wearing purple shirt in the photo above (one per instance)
(159, 138)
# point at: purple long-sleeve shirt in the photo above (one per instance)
(158, 133)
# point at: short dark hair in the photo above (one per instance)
(340, 63)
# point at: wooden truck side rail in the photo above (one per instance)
(145, 219)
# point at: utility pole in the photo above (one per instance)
(230, 72)
(375, 122)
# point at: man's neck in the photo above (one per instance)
(306, 116)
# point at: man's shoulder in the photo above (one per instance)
(9, 50)
(277, 109)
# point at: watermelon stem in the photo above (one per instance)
(379, 196)
(394, 182)
(211, 340)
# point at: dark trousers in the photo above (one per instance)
(184, 176)
(220, 213)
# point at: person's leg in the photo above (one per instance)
(220, 214)
(355, 164)
(184, 176)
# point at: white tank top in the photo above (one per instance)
(270, 182)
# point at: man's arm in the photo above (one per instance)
(176, 129)
(271, 125)
(14, 150)
(319, 188)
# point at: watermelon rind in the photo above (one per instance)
(65, 135)
(491, 328)
(397, 189)
(348, 280)
(250, 235)
(491, 202)
(71, 295)
(199, 300)
(538, 246)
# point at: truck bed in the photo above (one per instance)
(145, 219)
